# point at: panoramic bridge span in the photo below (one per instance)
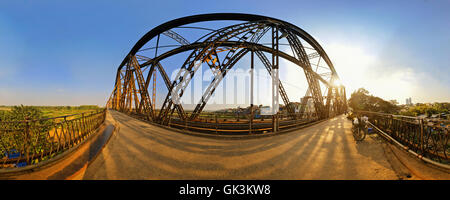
(226, 41)
(309, 139)
(150, 129)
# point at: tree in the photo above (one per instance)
(34, 132)
(4, 115)
(427, 109)
(361, 100)
(20, 113)
(393, 101)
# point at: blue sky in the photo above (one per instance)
(67, 52)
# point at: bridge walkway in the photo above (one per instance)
(323, 151)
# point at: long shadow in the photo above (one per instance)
(226, 147)
(365, 148)
(304, 143)
(186, 166)
(368, 146)
(283, 162)
(346, 164)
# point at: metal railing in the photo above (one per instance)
(426, 138)
(29, 142)
(235, 124)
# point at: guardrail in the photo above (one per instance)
(240, 125)
(29, 142)
(429, 139)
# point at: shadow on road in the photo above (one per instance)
(323, 151)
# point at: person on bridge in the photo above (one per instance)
(364, 119)
(361, 123)
(355, 121)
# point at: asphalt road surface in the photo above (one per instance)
(323, 151)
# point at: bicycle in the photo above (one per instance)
(359, 129)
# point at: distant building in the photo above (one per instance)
(409, 101)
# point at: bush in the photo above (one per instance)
(12, 135)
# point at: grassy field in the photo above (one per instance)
(58, 111)
(5, 108)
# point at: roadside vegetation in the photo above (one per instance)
(19, 137)
(361, 99)
(18, 113)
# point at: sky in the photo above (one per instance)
(67, 52)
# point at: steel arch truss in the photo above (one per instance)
(130, 93)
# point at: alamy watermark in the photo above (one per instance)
(213, 87)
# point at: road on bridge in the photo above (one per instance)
(323, 151)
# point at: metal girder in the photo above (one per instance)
(283, 93)
(257, 47)
(215, 82)
(226, 16)
(180, 39)
(329, 101)
(192, 64)
(312, 81)
(147, 82)
(126, 88)
(230, 59)
(115, 97)
(236, 40)
(303, 104)
(145, 102)
(275, 70)
(313, 55)
(258, 50)
(240, 45)
(176, 37)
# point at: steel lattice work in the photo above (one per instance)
(220, 47)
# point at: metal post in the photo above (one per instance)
(277, 79)
(421, 135)
(278, 121)
(275, 76)
(68, 132)
(170, 120)
(118, 92)
(27, 141)
(273, 124)
(215, 117)
(154, 77)
(251, 90)
(83, 125)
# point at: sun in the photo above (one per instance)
(359, 67)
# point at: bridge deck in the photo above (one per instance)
(323, 151)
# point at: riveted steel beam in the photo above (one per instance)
(231, 43)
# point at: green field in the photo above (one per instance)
(4, 108)
(56, 111)
(49, 113)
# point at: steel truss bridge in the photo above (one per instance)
(39, 142)
(204, 39)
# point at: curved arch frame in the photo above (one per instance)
(118, 100)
